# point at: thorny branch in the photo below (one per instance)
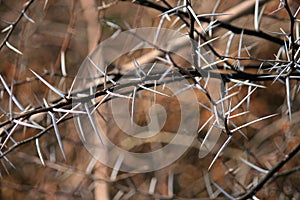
(251, 193)
(13, 25)
(268, 70)
(232, 28)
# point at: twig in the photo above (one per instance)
(270, 174)
(14, 24)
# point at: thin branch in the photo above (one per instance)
(270, 174)
(13, 25)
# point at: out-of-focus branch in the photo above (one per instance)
(90, 13)
(68, 35)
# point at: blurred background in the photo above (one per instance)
(50, 33)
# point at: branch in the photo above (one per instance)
(271, 173)
(14, 24)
